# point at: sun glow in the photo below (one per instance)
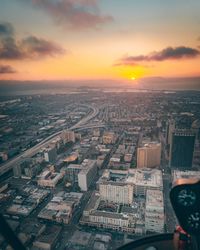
(133, 78)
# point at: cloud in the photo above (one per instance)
(30, 47)
(6, 69)
(77, 15)
(169, 53)
(37, 47)
(9, 50)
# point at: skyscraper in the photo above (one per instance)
(68, 136)
(50, 154)
(87, 175)
(182, 148)
(149, 155)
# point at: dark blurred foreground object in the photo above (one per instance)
(9, 235)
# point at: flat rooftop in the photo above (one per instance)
(141, 177)
(185, 174)
(110, 215)
(154, 199)
(152, 144)
(80, 238)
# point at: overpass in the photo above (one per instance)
(35, 149)
(99, 125)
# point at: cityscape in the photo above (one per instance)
(99, 125)
(93, 168)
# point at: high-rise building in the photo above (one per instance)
(87, 175)
(149, 155)
(182, 148)
(71, 172)
(116, 186)
(154, 211)
(120, 186)
(68, 136)
(117, 192)
(50, 154)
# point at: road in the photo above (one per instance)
(35, 149)
(170, 218)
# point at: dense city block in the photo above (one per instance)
(92, 168)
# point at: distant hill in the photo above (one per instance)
(45, 87)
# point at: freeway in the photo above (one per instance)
(84, 127)
(35, 149)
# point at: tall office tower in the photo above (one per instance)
(87, 175)
(170, 128)
(50, 154)
(182, 148)
(68, 136)
(149, 155)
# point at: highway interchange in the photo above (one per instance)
(35, 149)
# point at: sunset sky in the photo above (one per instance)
(105, 39)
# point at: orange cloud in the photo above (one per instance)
(6, 69)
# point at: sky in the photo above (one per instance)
(99, 39)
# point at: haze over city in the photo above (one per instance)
(99, 124)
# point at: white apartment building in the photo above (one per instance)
(113, 220)
(119, 193)
(147, 178)
(120, 185)
(154, 211)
